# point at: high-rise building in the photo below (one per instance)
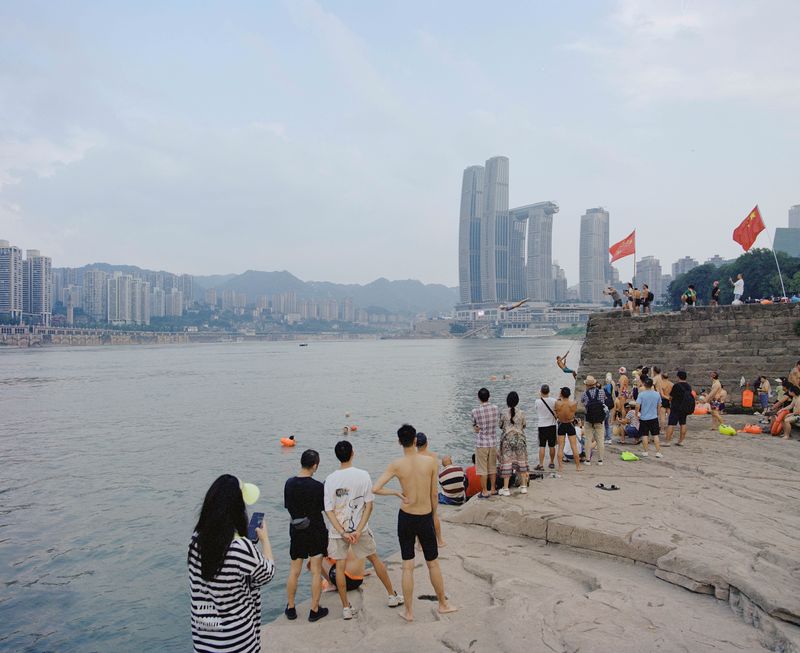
(594, 257)
(10, 280)
(538, 273)
(495, 231)
(469, 235)
(37, 286)
(648, 271)
(119, 307)
(95, 294)
(348, 311)
(794, 217)
(559, 283)
(173, 301)
(683, 265)
(666, 280)
(186, 286)
(787, 241)
(211, 297)
(140, 301)
(158, 302)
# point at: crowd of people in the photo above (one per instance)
(329, 522)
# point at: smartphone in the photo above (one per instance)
(255, 522)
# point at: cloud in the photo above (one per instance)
(654, 51)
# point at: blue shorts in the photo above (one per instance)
(566, 370)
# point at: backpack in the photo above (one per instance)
(650, 297)
(609, 390)
(686, 403)
(595, 409)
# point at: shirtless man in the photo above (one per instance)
(565, 412)
(561, 361)
(419, 496)
(422, 450)
(713, 398)
(665, 387)
(794, 375)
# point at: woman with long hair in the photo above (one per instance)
(226, 572)
(513, 445)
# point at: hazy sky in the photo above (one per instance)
(329, 139)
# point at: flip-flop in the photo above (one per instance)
(483, 496)
(601, 486)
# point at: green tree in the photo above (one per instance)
(760, 277)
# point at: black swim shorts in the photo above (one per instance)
(547, 436)
(351, 583)
(566, 428)
(409, 528)
(675, 418)
(665, 403)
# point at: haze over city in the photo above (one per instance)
(330, 139)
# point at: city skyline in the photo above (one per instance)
(225, 159)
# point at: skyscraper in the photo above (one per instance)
(538, 284)
(683, 265)
(469, 236)
(559, 283)
(594, 257)
(119, 299)
(95, 294)
(495, 234)
(37, 286)
(794, 217)
(10, 280)
(648, 271)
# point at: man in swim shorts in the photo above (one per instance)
(419, 494)
(561, 361)
(565, 409)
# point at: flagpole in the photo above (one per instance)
(777, 265)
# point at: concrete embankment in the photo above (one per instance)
(736, 341)
(571, 567)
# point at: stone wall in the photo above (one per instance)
(735, 341)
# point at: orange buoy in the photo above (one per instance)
(354, 428)
(701, 410)
(288, 442)
(755, 429)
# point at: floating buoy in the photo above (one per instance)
(347, 414)
(288, 442)
(493, 378)
(700, 410)
(753, 429)
(724, 429)
(354, 428)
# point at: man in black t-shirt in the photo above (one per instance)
(680, 400)
(304, 498)
(715, 294)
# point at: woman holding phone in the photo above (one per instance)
(226, 572)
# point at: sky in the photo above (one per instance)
(329, 138)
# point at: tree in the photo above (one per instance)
(760, 277)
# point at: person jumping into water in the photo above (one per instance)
(561, 361)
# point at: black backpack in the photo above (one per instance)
(687, 403)
(608, 388)
(650, 297)
(595, 410)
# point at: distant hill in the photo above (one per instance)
(406, 296)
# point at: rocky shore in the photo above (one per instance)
(697, 551)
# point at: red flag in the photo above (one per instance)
(624, 247)
(747, 232)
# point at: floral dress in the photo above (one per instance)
(513, 445)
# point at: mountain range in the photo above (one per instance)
(404, 296)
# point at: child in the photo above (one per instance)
(764, 389)
(630, 424)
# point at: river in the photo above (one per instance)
(107, 453)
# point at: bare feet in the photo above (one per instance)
(578, 468)
(407, 616)
(441, 544)
(446, 608)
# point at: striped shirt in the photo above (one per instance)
(226, 611)
(452, 480)
(485, 418)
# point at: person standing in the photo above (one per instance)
(647, 404)
(647, 298)
(513, 445)
(304, 498)
(484, 423)
(713, 399)
(565, 409)
(763, 393)
(348, 506)
(417, 476)
(681, 404)
(738, 288)
(226, 572)
(715, 292)
(545, 412)
(614, 294)
(454, 483)
(665, 388)
(593, 400)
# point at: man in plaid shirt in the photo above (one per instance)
(484, 421)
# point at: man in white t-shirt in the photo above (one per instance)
(348, 506)
(545, 412)
(738, 287)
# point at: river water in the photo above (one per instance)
(107, 453)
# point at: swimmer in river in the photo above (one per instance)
(561, 361)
